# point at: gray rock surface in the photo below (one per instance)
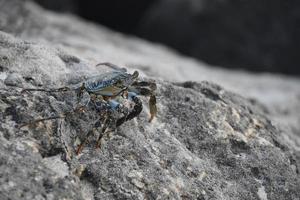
(206, 142)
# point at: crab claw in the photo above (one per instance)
(152, 106)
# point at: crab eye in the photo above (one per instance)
(119, 82)
(135, 74)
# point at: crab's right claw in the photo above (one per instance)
(153, 108)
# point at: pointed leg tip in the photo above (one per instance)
(79, 150)
(151, 119)
(97, 146)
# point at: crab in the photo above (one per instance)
(106, 92)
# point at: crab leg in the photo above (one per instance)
(140, 89)
(81, 145)
(101, 108)
(108, 121)
(138, 107)
(121, 109)
(60, 116)
(105, 126)
(139, 84)
(62, 89)
(152, 100)
(153, 108)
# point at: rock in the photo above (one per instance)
(206, 142)
(23, 174)
(254, 35)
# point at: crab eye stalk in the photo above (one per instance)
(119, 83)
(135, 74)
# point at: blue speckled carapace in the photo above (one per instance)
(111, 83)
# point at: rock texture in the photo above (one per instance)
(206, 142)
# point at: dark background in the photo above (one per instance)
(257, 35)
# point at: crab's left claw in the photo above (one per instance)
(153, 108)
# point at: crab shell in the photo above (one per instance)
(111, 83)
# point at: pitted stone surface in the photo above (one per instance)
(206, 142)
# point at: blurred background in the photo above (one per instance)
(254, 35)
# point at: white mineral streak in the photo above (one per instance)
(262, 193)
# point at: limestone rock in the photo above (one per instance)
(206, 142)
